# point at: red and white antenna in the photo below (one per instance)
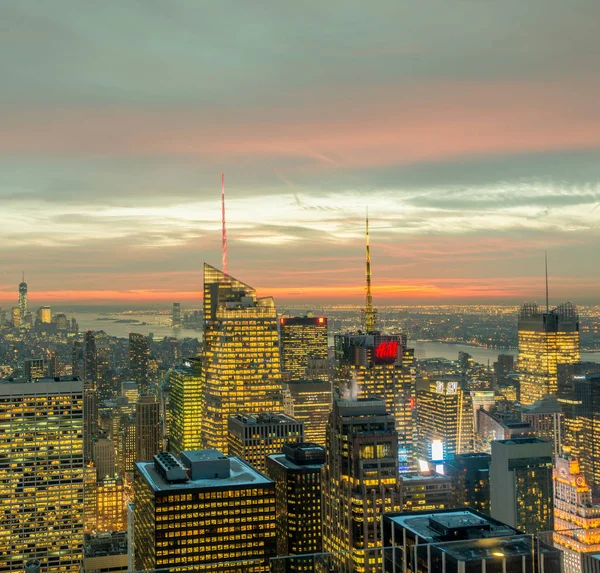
(224, 228)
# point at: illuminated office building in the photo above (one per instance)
(111, 512)
(546, 339)
(60, 320)
(41, 474)
(241, 371)
(23, 298)
(147, 428)
(521, 483)
(297, 476)
(16, 319)
(129, 389)
(176, 320)
(252, 437)
(309, 402)
(185, 407)
(470, 475)
(203, 510)
(139, 356)
(44, 315)
(444, 419)
(302, 339)
(380, 366)
(90, 490)
(546, 420)
(34, 368)
(427, 490)
(90, 422)
(576, 516)
(360, 482)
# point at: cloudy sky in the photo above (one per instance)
(471, 129)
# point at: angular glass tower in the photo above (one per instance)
(241, 371)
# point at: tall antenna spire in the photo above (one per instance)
(546, 265)
(224, 229)
(369, 310)
(22, 276)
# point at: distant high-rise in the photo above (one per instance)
(252, 437)
(302, 339)
(44, 315)
(16, 319)
(380, 366)
(206, 511)
(309, 402)
(546, 339)
(576, 516)
(521, 483)
(105, 457)
(23, 297)
(241, 371)
(41, 474)
(444, 419)
(147, 428)
(139, 355)
(176, 320)
(90, 361)
(90, 422)
(297, 476)
(185, 407)
(360, 482)
(34, 368)
(546, 420)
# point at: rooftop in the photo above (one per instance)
(433, 526)
(241, 475)
(41, 385)
(264, 418)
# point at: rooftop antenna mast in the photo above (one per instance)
(369, 310)
(546, 266)
(223, 229)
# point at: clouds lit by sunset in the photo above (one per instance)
(471, 131)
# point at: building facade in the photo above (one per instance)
(139, 357)
(204, 510)
(302, 339)
(521, 483)
(252, 437)
(241, 368)
(309, 402)
(470, 475)
(147, 428)
(546, 339)
(360, 482)
(41, 474)
(297, 476)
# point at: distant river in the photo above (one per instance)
(479, 354)
(159, 325)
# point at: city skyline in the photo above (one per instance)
(472, 162)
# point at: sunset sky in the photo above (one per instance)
(470, 128)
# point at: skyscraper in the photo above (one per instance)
(147, 428)
(380, 366)
(204, 510)
(360, 482)
(302, 338)
(23, 298)
(546, 420)
(41, 474)
(176, 321)
(186, 407)
(521, 483)
(241, 371)
(444, 419)
(139, 355)
(252, 437)
(90, 361)
(546, 339)
(576, 516)
(297, 476)
(309, 402)
(470, 475)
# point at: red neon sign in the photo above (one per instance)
(321, 320)
(387, 349)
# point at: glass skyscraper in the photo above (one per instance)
(546, 339)
(241, 370)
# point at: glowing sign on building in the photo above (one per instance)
(386, 351)
(437, 451)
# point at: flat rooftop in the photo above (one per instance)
(420, 523)
(433, 476)
(241, 475)
(286, 462)
(522, 441)
(41, 385)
